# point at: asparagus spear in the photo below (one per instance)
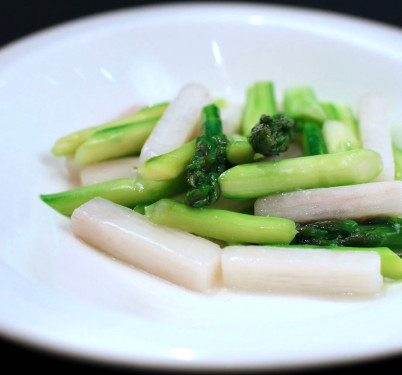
(312, 139)
(301, 103)
(115, 142)
(343, 113)
(260, 179)
(125, 191)
(69, 143)
(338, 137)
(239, 150)
(377, 232)
(221, 224)
(260, 100)
(209, 160)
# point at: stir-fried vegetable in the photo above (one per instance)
(202, 191)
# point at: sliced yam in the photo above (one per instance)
(340, 202)
(109, 170)
(299, 270)
(179, 123)
(169, 253)
(375, 132)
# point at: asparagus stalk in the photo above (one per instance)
(260, 100)
(301, 103)
(69, 143)
(169, 253)
(209, 160)
(340, 202)
(260, 179)
(378, 232)
(239, 150)
(398, 162)
(312, 139)
(221, 224)
(343, 113)
(338, 137)
(125, 191)
(291, 270)
(115, 142)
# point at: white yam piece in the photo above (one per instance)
(231, 116)
(109, 170)
(169, 253)
(73, 170)
(375, 132)
(179, 123)
(300, 270)
(340, 202)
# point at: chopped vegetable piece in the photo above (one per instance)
(343, 113)
(300, 103)
(398, 162)
(391, 263)
(291, 270)
(125, 191)
(338, 137)
(221, 224)
(341, 202)
(231, 116)
(69, 143)
(115, 142)
(239, 150)
(260, 100)
(169, 253)
(109, 170)
(312, 138)
(376, 232)
(179, 123)
(260, 179)
(272, 135)
(169, 165)
(209, 160)
(375, 132)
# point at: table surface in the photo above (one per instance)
(20, 18)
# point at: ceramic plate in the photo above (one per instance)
(59, 294)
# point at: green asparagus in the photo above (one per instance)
(231, 227)
(263, 178)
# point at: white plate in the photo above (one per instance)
(59, 294)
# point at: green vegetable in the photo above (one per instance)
(231, 227)
(343, 113)
(263, 178)
(115, 142)
(209, 160)
(239, 150)
(125, 191)
(376, 232)
(272, 135)
(69, 143)
(169, 165)
(391, 263)
(312, 138)
(398, 162)
(300, 103)
(339, 137)
(260, 100)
